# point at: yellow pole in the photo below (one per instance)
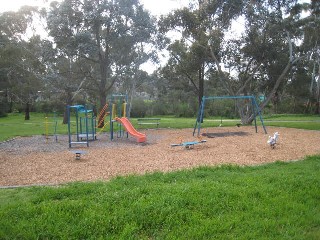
(124, 109)
(114, 111)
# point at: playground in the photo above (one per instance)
(35, 161)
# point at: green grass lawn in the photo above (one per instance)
(15, 125)
(274, 201)
(311, 122)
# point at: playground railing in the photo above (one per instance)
(149, 121)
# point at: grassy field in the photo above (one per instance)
(274, 201)
(15, 125)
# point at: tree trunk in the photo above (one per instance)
(201, 84)
(318, 92)
(27, 112)
(275, 88)
(68, 102)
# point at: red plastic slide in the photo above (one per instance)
(131, 130)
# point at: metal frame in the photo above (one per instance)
(116, 97)
(256, 111)
(79, 126)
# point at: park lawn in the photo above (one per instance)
(292, 117)
(15, 125)
(39, 124)
(310, 122)
(301, 125)
(273, 201)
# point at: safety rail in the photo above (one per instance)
(149, 121)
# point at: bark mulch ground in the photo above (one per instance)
(36, 160)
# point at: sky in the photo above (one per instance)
(156, 7)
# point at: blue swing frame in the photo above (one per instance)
(256, 111)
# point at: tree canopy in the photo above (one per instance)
(94, 48)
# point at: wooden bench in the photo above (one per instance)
(149, 121)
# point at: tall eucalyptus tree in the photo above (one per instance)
(20, 65)
(107, 35)
(258, 62)
(202, 27)
(311, 47)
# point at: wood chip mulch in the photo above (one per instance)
(39, 161)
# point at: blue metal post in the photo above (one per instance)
(77, 123)
(254, 113)
(69, 127)
(200, 116)
(111, 120)
(87, 127)
(260, 116)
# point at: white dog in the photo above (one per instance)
(273, 140)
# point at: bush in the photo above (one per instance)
(139, 108)
(159, 108)
(184, 110)
(4, 108)
(221, 108)
(50, 106)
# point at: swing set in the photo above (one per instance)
(255, 109)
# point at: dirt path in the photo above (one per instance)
(32, 161)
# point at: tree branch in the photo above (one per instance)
(248, 79)
(222, 78)
(188, 76)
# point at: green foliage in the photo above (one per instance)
(49, 106)
(160, 107)
(142, 108)
(221, 108)
(4, 107)
(274, 201)
(105, 41)
(184, 110)
(139, 108)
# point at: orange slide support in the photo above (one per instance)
(131, 130)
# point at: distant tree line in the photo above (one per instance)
(88, 50)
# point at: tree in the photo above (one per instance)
(202, 28)
(261, 62)
(21, 68)
(105, 35)
(311, 48)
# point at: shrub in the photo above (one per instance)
(50, 106)
(139, 108)
(4, 108)
(184, 110)
(160, 108)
